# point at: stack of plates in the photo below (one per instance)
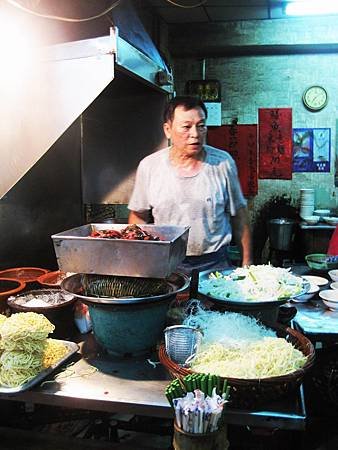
(307, 202)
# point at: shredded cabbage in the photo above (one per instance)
(254, 283)
(268, 357)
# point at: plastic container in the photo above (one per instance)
(281, 233)
(9, 287)
(25, 274)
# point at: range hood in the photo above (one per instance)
(63, 81)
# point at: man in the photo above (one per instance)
(190, 183)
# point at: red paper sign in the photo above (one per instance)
(275, 143)
(241, 142)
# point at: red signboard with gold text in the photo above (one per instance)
(241, 142)
(275, 143)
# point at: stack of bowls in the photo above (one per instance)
(307, 202)
(330, 298)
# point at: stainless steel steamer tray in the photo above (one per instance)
(72, 349)
(77, 252)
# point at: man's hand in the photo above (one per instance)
(242, 234)
(137, 217)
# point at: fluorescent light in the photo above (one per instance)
(311, 7)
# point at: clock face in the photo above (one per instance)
(315, 98)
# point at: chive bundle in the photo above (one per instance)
(204, 382)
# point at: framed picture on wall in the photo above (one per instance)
(311, 149)
(207, 90)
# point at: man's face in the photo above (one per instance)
(187, 130)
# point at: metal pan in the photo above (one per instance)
(72, 349)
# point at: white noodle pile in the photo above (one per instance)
(227, 328)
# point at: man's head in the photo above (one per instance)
(184, 124)
(186, 103)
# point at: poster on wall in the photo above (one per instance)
(241, 142)
(311, 149)
(275, 143)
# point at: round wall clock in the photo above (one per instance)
(315, 98)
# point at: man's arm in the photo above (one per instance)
(242, 234)
(138, 217)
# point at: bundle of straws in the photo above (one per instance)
(198, 401)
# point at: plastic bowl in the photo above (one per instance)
(311, 220)
(9, 287)
(321, 212)
(333, 275)
(52, 279)
(25, 274)
(333, 306)
(331, 220)
(330, 295)
(321, 261)
(308, 295)
(334, 285)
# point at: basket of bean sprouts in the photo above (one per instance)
(261, 364)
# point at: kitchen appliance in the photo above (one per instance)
(131, 322)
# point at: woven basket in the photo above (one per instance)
(250, 393)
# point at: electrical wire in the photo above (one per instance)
(61, 18)
(186, 6)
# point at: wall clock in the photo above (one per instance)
(315, 98)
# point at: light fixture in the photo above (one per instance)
(311, 7)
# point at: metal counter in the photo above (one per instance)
(97, 382)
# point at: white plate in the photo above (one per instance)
(319, 281)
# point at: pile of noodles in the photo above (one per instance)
(25, 347)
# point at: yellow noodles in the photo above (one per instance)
(268, 357)
(54, 351)
(26, 326)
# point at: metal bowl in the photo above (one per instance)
(115, 290)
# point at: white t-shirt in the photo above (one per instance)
(204, 201)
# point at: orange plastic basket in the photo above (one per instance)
(26, 274)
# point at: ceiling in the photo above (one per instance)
(211, 11)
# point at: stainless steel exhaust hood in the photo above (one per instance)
(63, 81)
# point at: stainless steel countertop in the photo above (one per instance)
(98, 382)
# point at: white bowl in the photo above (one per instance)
(333, 306)
(330, 295)
(333, 274)
(313, 279)
(334, 285)
(321, 212)
(308, 295)
(331, 220)
(311, 220)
